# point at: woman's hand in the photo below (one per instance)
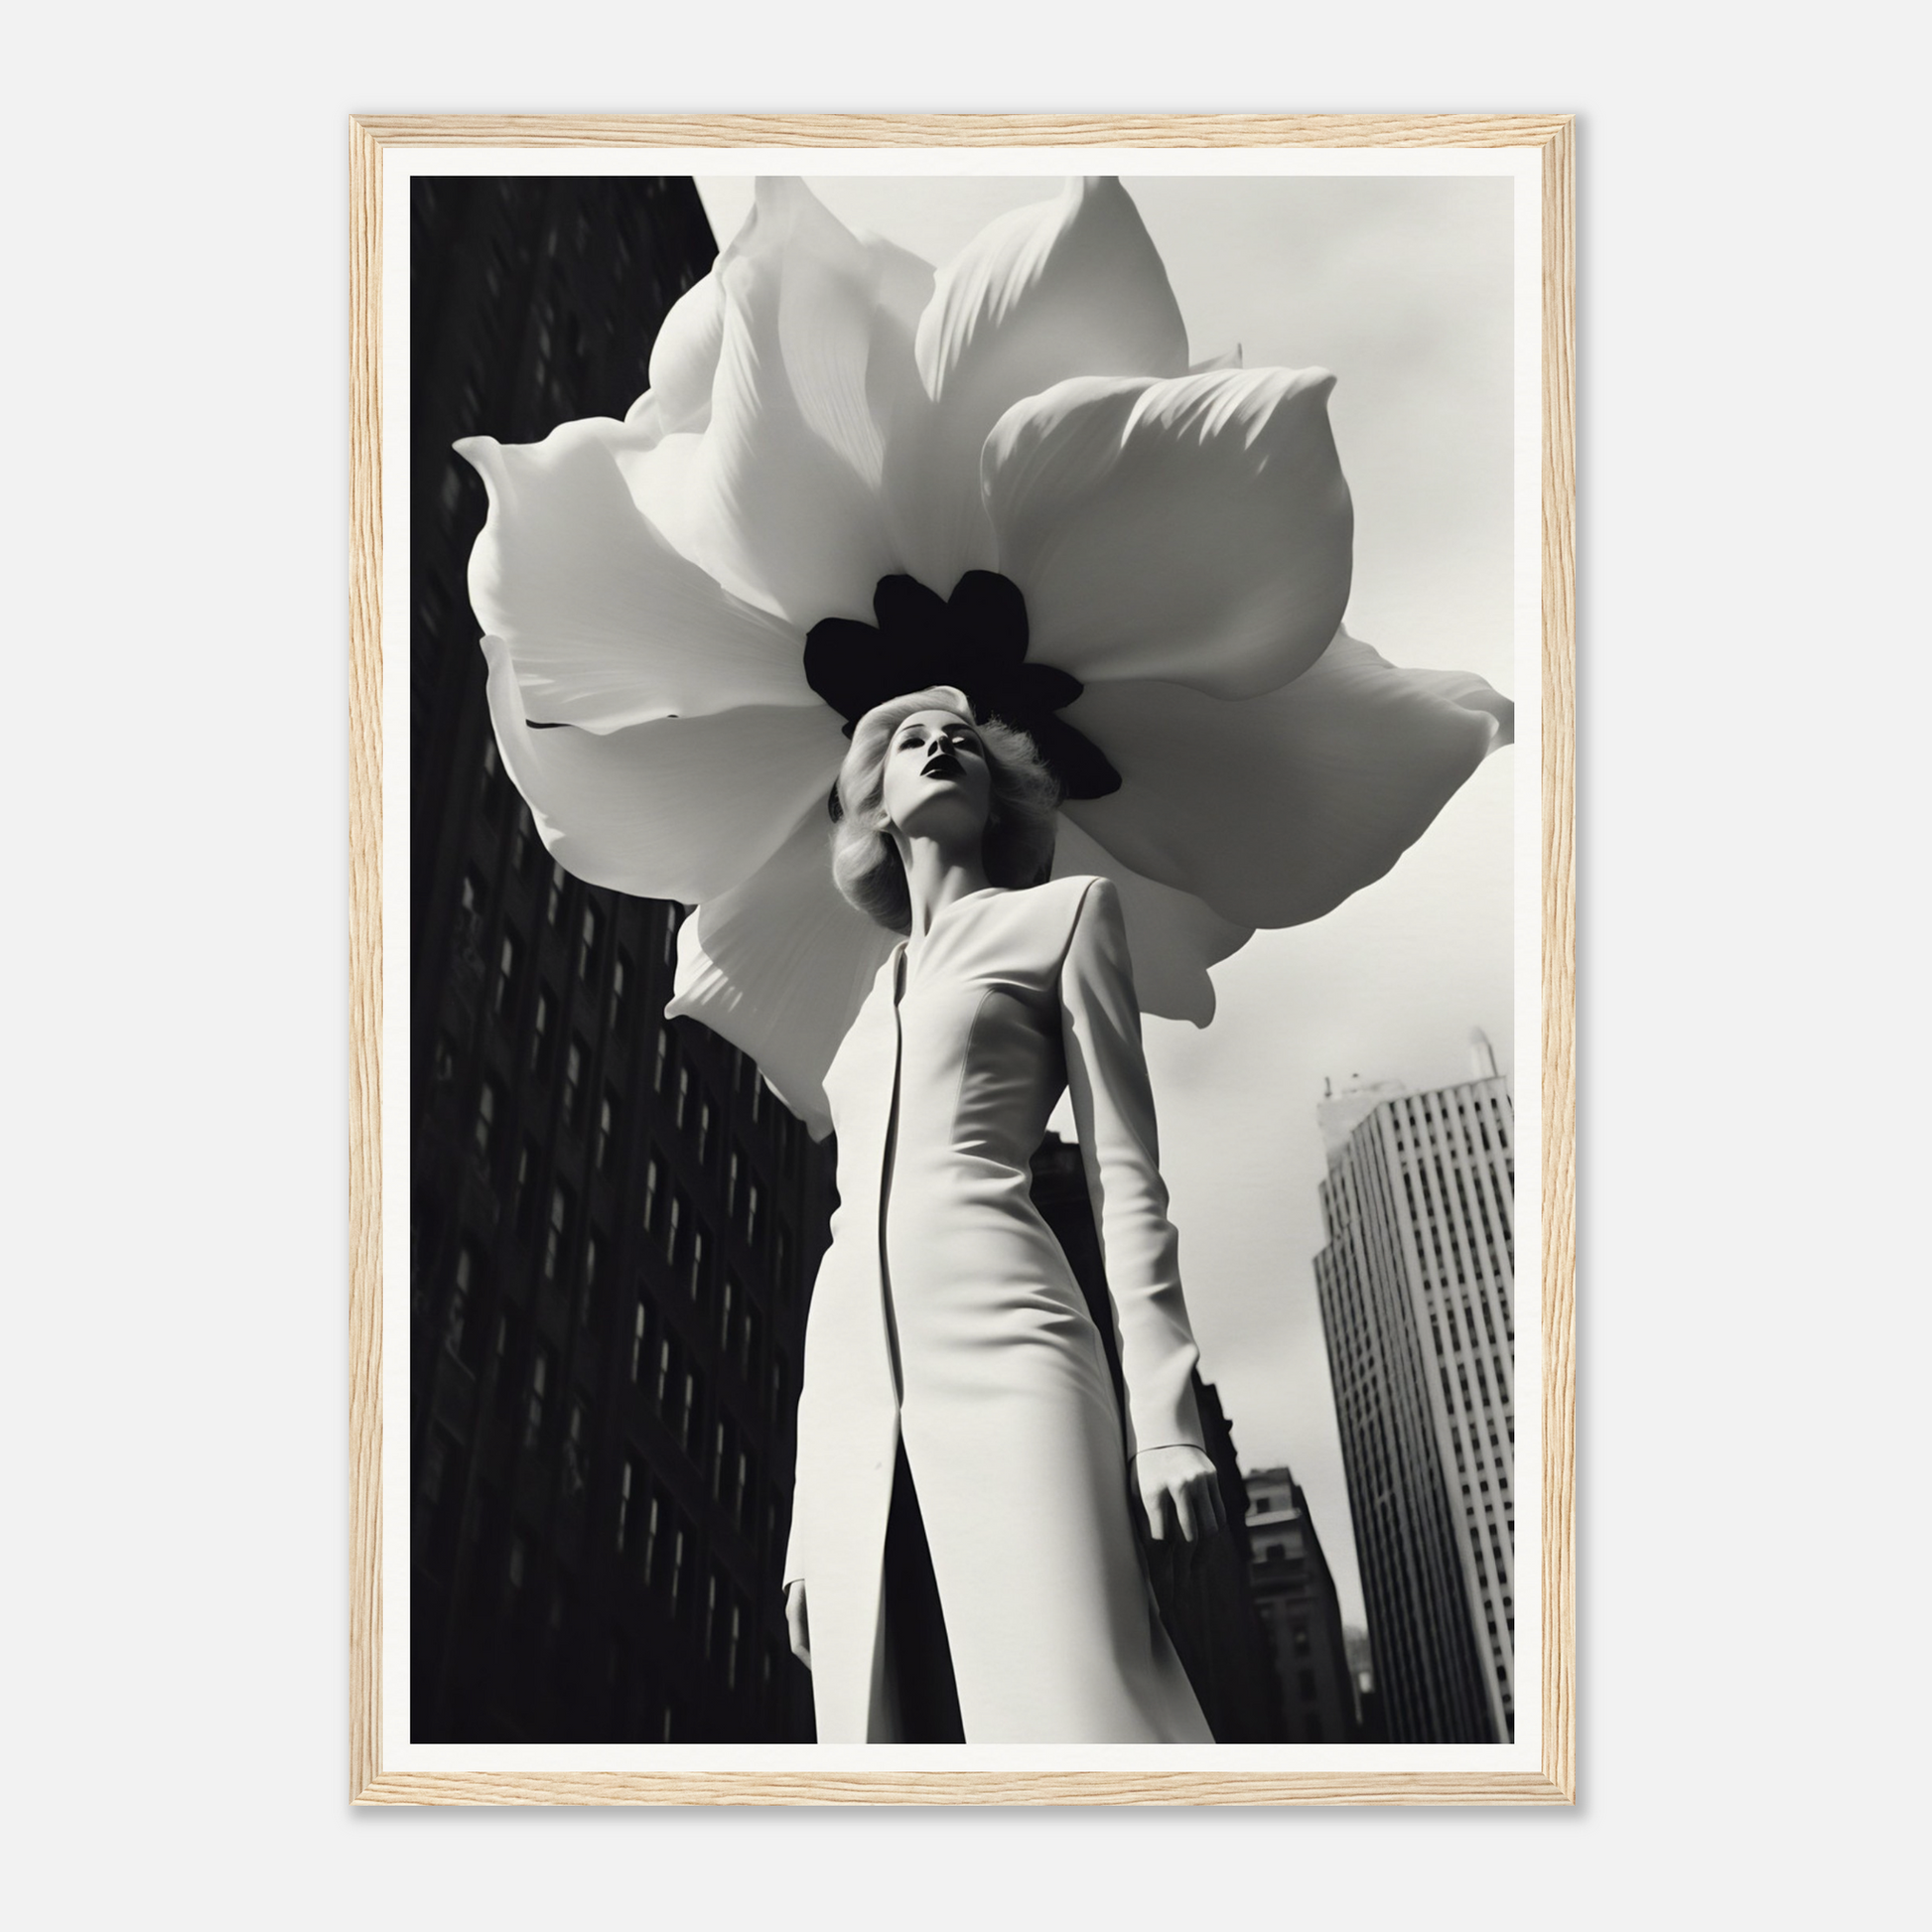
(1181, 1493)
(795, 1624)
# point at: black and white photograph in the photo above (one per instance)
(962, 1119)
(965, 967)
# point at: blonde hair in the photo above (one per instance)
(1018, 846)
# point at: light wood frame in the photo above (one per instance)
(1555, 1781)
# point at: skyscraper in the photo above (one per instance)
(1296, 1595)
(612, 1224)
(1416, 1303)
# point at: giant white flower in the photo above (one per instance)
(852, 477)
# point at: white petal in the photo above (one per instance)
(1062, 288)
(784, 505)
(678, 808)
(780, 966)
(659, 481)
(1273, 809)
(608, 624)
(684, 357)
(646, 421)
(1196, 530)
(1172, 936)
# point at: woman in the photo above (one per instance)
(962, 1540)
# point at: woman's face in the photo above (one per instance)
(938, 783)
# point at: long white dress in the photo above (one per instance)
(945, 1314)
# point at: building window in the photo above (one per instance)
(533, 1407)
(683, 1107)
(577, 1448)
(704, 1133)
(553, 905)
(620, 980)
(670, 916)
(540, 1031)
(524, 1199)
(505, 974)
(747, 1340)
(458, 1331)
(654, 1179)
(519, 1560)
(688, 1412)
(647, 1554)
(558, 1230)
(660, 1061)
(726, 1313)
(666, 1374)
(574, 1083)
(628, 1486)
(587, 1300)
(586, 938)
(641, 1322)
(752, 1216)
(487, 1101)
(696, 1271)
(674, 1224)
(732, 1169)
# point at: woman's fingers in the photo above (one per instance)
(1218, 1508)
(1154, 1499)
(1181, 1503)
(1184, 1506)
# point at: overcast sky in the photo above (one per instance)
(1402, 288)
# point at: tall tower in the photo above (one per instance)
(1416, 1303)
(1296, 1595)
(612, 1224)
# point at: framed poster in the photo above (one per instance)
(1221, 470)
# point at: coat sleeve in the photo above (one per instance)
(1113, 1110)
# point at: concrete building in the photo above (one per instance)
(613, 1226)
(1295, 1594)
(1417, 1285)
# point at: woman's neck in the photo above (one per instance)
(937, 875)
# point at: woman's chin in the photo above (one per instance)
(946, 817)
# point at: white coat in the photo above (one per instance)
(945, 1312)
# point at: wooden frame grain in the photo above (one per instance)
(1555, 1781)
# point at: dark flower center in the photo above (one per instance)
(975, 639)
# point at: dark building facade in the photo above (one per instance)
(1417, 1284)
(613, 1224)
(1209, 1603)
(1295, 1594)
